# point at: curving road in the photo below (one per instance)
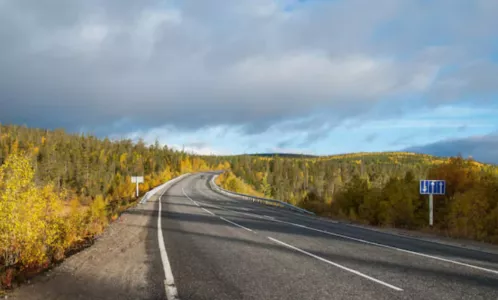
(222, 248)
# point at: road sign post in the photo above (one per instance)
(137, 180)
(431, 210)
(431, 188)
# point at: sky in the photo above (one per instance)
(229, 77)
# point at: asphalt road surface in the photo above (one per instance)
(217, 247)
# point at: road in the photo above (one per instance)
(222, 248)
(194, 243)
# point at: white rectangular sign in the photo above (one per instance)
(137, 179)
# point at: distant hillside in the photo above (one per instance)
(391, 157)
(287, 155)
(365, 157)
(387, 157)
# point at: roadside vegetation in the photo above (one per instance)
(229, 181)
(380, 189)
(59, 191)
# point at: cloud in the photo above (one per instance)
(296, 67)
(482, 148)
(203, 150)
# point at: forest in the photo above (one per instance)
(380, 189)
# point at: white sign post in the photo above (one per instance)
(137, 180)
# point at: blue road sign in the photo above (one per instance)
(434, 187)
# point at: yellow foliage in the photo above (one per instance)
(122, 160)
(15, 147)
(126, 189)
(199, 164)
(97, 216)
(166, 174)
(232, 183)
(29, 216)
(75, 223)
(35, 226)
(185, 165)
(259, 176)
(144, 187)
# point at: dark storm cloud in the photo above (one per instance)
(117, 66)
(481, 148)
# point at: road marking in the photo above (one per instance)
(338, 265)
(190, 198)
(197, 203)
(210, 205)
(210, 212)
(237, 212)
(233, 223)
(213, 214)
(392, 247)
(169, 283)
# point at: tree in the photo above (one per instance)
(398, 203)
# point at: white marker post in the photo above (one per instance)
(431, 206)
(431, 211)
(137, 180)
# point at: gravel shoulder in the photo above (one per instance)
(118, 266)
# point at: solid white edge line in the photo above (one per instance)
(337, 265)
(233, 223)
(392, 248)
(169, 282)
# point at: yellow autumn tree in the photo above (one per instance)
(96, 216)
(185, 165)
(232, 183)
(26, 218)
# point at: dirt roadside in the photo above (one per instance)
(124, 263)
